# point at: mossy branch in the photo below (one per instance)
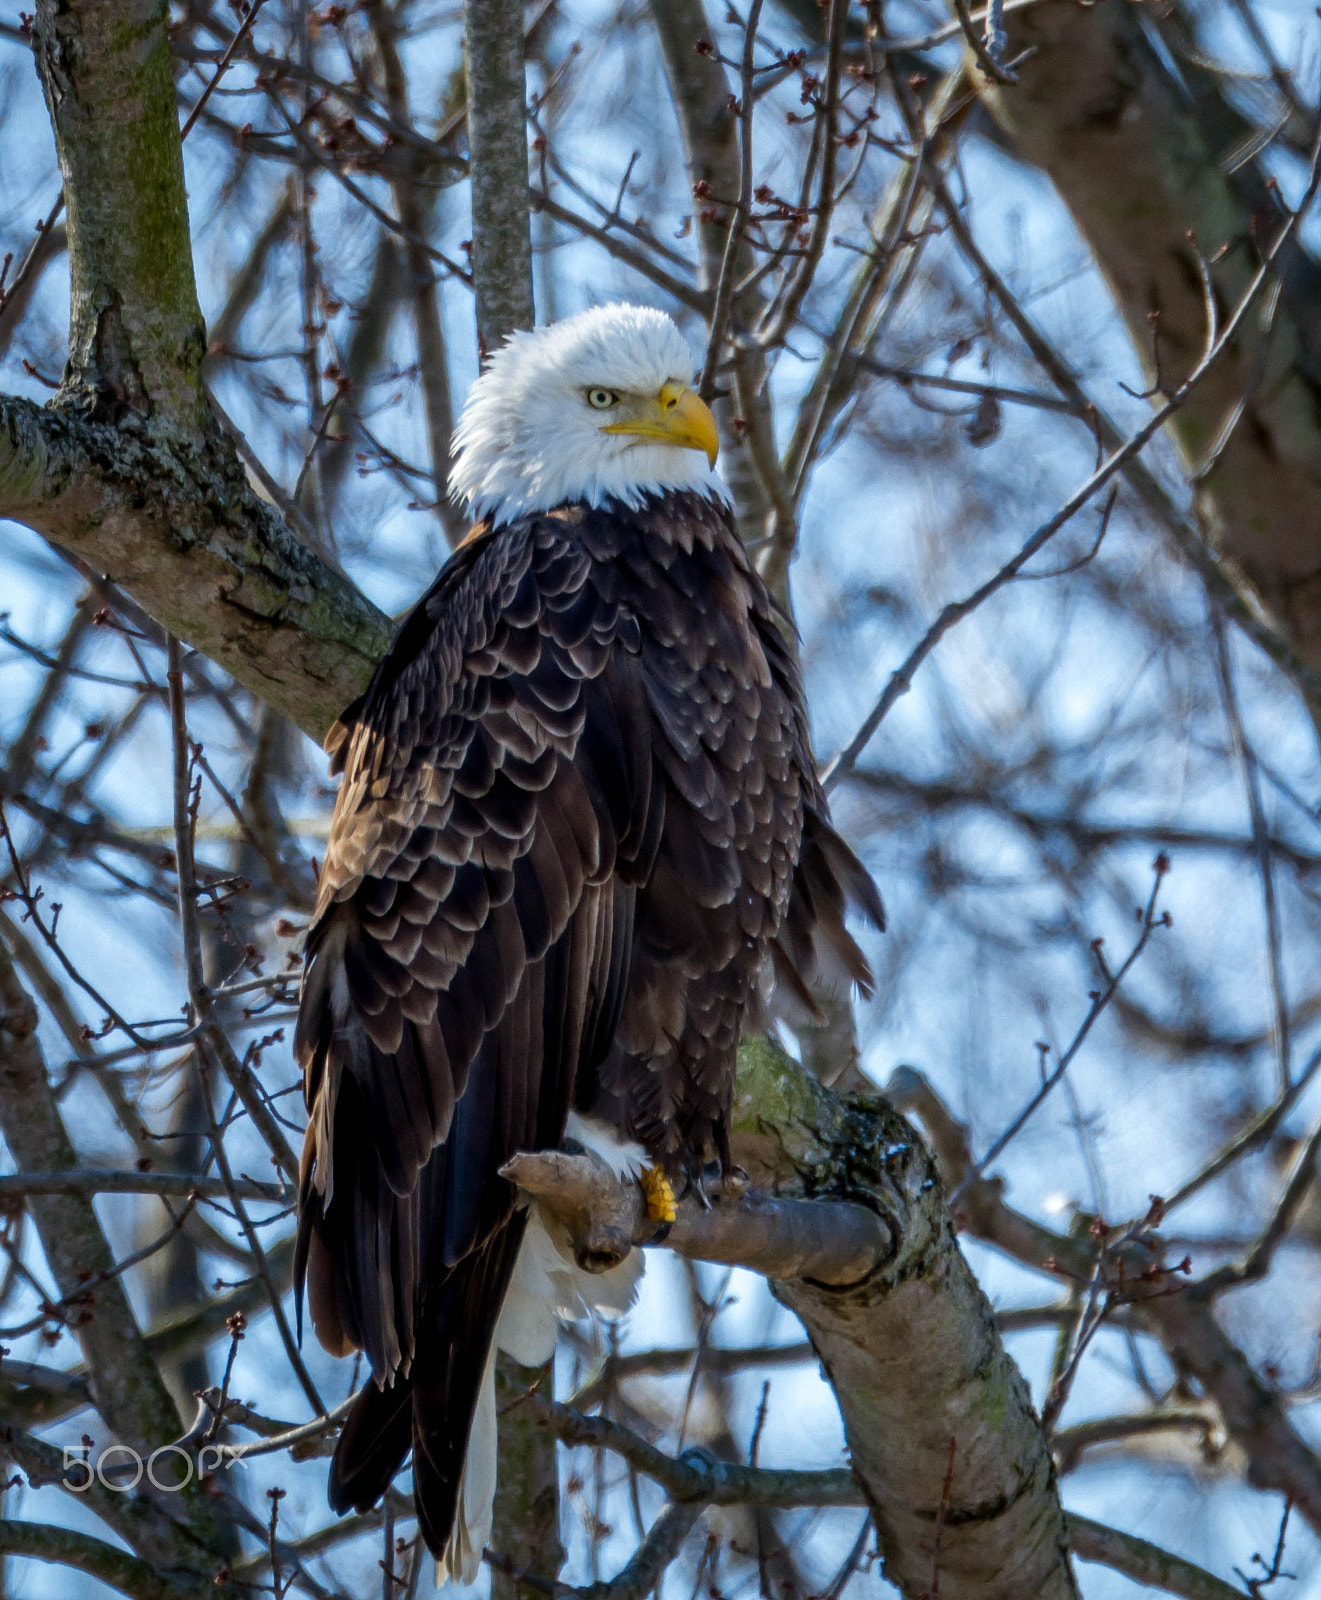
(938, 1418)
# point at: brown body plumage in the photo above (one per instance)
(578, 814)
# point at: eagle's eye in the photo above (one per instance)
(602, 399)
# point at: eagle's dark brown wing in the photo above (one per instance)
(578, 811)
(465, 962)
(748, 863)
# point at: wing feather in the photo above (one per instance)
(578, 807)
(468, 952)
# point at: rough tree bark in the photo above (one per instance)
(1254, 1412)
(136, 340)
(939, 1422)
(128, 468)
(172, 520)
(497, 145)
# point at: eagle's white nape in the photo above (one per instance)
(529, 441)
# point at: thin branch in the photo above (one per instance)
(987, 47)
(697, 1477)
(125, 1573)
(295, 1440)
(900, 680)
(905, 377)
(223, 66)
(1252, 1136)
(1261, 844)
(36, 250)
(1223, 580)
(1145, 1562)
(1100, 1000)
(201, 1004)
(433, 366)
(782, 318)
(649, 1561)
(1298, 1182)
(617, 1369)
(1068, 1444)
(90, 1181)
(131, 1395)
(738, 222)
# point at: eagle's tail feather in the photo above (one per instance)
(448, 1378)
(471, 1532)
(372, 1446)
(444, 1408)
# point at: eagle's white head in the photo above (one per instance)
(593, 408)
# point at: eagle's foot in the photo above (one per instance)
(714, 1183)
(734, 1183)
(656, 1191)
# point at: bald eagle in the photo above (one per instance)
(578, 826)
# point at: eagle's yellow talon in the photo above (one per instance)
(659, 1196)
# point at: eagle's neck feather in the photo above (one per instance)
(504, 486)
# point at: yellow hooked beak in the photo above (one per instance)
(676, 416)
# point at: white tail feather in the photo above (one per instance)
(547, 1285)
(462, 1560)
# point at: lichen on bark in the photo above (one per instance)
(135, 331)
(938, 1418)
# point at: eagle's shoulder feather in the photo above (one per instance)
(465, 955)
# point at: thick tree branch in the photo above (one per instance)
(174, 522)
(1145, 1562)
(152, 1531)
(525, 1526)
(40, 1541)
(827, 1240)
(1136, 159)
(1183, 1319)
(130, 471)
(906, 1337)
(128, 1388)
(135, 337)
(497, 142)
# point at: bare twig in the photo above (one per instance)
(1247, 759)
(222, 67)
(1100, 1000)
(738, 222)
(901, 679)
(781, 318)
(695, 1477)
